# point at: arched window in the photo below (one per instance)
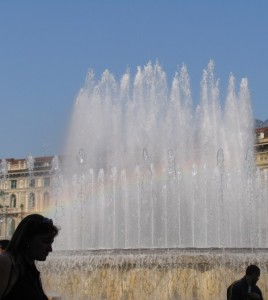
(13, 200)
(31, 200)
(46, 200)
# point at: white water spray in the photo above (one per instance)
(146, 170)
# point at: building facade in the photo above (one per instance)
(261, 147)
(25, 188)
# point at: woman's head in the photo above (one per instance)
(33, 238)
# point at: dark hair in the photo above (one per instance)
(252, 269)
(27, 229)
(3, 244)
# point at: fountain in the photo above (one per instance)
(158, 200)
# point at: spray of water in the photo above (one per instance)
(145, 169)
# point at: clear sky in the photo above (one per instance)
(47, 47)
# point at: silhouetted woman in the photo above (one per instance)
(31, 241)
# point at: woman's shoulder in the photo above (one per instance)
(6, 264)
(6, 260)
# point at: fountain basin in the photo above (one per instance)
(187, 273)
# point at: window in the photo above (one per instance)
(13, 184)
(13, 200)
(46, 181)
(31, 200)
(32, 183)
(2, 226)
(46, 200)
(10, 226)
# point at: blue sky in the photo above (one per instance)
(47, 47)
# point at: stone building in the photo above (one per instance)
(24, 189)
(261, 147)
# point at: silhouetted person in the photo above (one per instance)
(3, 245)
(31, 241)
(246, 288)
